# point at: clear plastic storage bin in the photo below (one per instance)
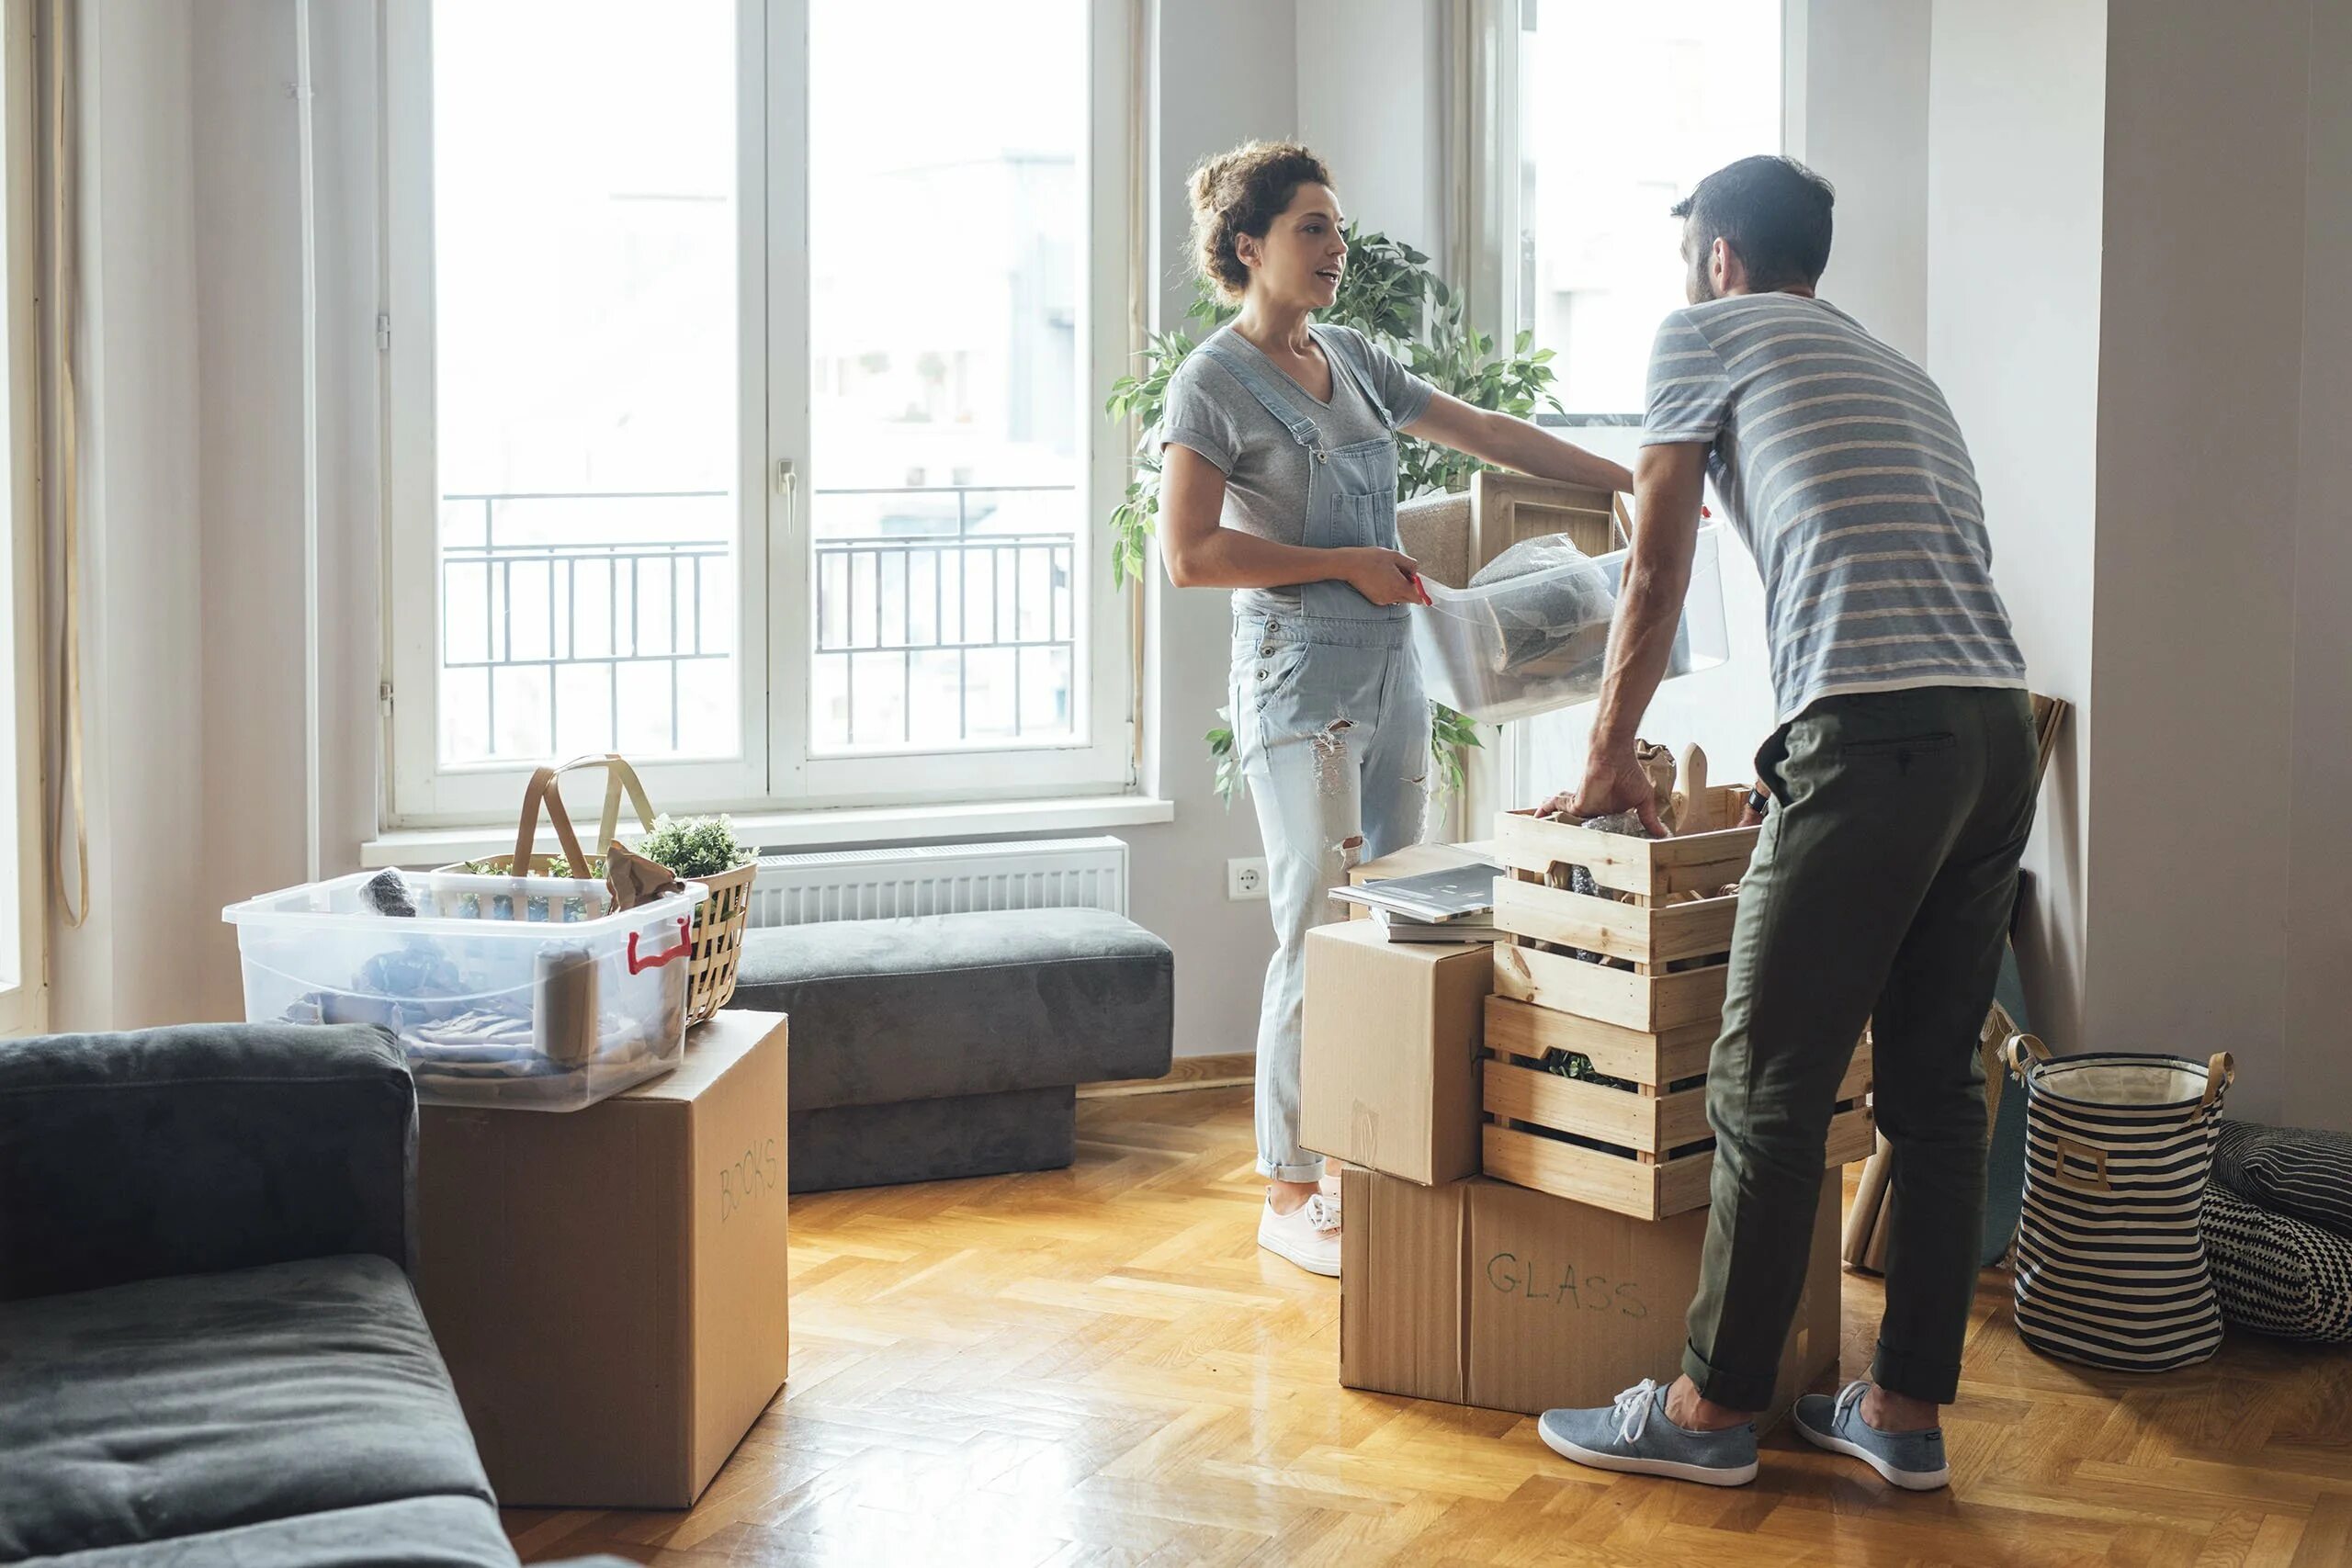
(1538, 642)
(504, 990)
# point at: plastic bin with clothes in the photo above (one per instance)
(527, 992)
(1530, 633)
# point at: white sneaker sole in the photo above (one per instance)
(1909, 1480)
(1705, 1475)
(1313, 1265)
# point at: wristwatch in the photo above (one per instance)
(1758, 802)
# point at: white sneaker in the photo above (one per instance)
(1309, 1235)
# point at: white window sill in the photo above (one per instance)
(785, 832)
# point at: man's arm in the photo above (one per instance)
(1668, 482)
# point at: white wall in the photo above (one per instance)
(1368, 101)
(135, 963)
(248, 285)
(1227, 72)
(1858, 115)
(2017, 138)
(2200, 442)
(2315, 1077)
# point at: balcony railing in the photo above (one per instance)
(624, 583)
(927, 596)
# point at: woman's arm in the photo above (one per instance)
(1511, 442)
(1203, 552)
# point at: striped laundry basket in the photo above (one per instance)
(2111, 1264)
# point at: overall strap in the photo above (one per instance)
(1343, 363)
(1260, 380)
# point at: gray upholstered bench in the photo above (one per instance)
(948, 1045)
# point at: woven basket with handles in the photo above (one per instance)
(719, 921)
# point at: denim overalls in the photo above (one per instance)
(1329, 723)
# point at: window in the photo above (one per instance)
(1664, 95)
(746, 398)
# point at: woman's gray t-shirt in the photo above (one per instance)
(1265, 468)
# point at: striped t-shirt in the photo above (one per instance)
(1841, 467)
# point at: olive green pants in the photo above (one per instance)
(1881, 892)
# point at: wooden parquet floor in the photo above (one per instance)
(1097, 1366)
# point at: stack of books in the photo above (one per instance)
(1456, 904)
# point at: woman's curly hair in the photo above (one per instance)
(1242, 192)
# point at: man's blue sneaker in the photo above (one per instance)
(1914, 1460)
(1635, 1435)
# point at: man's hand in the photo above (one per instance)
(1614, 781)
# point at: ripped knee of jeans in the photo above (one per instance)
(1332, 754)
(1351, 853)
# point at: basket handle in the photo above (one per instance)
(619, 777)
(542, 787)
(2219, 1073)
(2065, 1149)
(2020, 1047)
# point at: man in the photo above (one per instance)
(1901, 783)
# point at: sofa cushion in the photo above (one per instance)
(199, 1148)
(175, 1407)
(415, 1532)
(983, 1003)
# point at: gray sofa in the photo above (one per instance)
(210, 1352)
(952, 1045)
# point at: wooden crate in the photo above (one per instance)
(1709, 854)
(1653, 914)
(1649, 1017)
(1638, 1173)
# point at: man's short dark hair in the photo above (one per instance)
(1775, 213)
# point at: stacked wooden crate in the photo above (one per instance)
(1632, 1138)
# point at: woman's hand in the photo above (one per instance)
(1385, 577)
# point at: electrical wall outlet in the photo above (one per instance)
(1245, 880)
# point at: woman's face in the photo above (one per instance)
(1299, 261)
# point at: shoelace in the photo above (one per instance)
(1323, 1213)
(1848, 1398)
(1633, 1408)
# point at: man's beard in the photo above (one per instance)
(1700, 286)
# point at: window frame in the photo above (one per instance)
(777, 769)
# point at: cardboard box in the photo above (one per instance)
(1388, 1073)
(609, 1285)
(1479, 1292)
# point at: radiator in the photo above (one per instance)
(941, 879)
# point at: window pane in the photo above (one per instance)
(586, 220)
(1622, 109)
(947, 253)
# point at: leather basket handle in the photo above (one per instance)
(542, 787)
(2219, 1073)
(2022, 1053)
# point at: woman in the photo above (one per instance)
(1279, 483)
